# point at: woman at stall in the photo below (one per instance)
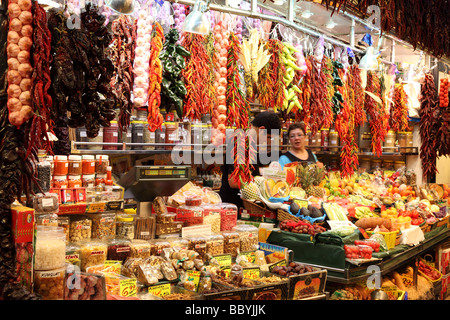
(298, 151)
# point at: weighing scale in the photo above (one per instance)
(145, 183)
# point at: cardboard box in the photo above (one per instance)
(224, 293)
(23, 221)
(445, 291)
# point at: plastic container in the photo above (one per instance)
(402, 141)
(364, 164)
(214, 244)
(50, 284)
(60, 165)
(333, 140)
(101, 164)
(93, 253)
(46, 203)
(100, 180)
(111, 135)
(81, 136)
(44, 175)
(80, 228)
(191, 213)
(389, 142)
(231, 242)
(88, 180)
(399, 164)
(125, 137)
(137, 134)
(228, 216)
(212, 216)
(315, 141)
(60, 182)
(125, 226)
(166, 218)
(157, 246)
(409, 142)
(139, 249)
(160, 136)
(248, 237)
(324, 140)
(119, 249)
(75, 167)
(50, 248)
(74, 181)
(88, 164)
(97, 142)
(103, 225)
(64, 222)
(171, 134)
(389, 237)
(198, 244)
(149, 137)
(47, 219)
(73, 254)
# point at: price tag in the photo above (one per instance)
(159, 290)
(194, 276)
(280, 263)
(302, 203)
(96, 207)
(251, 273)
(407, 280)
(250, 256)
(223, 260)
(128, 287)
(113, 266)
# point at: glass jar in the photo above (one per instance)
(316, 140)
(171, 134)
(101, 164)
(80, 228)
(50, 248)
(149, 137)
(248, 237)
(119, 249)
(125, 226)
(231, 243)
(81, 136)
(212, 216)
(75, 167)
(111, 135)
(61, 165)
(389, 142)
(325, 135)
(228, 216)
(191, 213)
(103, 225)
(399, 164)
(206, 129)
(388, 165)
(409, 142)
(88, 164)
(364, 165)
(44, 175)
(50, 284)
(52, 164)
(60, 182)
(74, 181)
(375, 164)
(333, 140)
(402, 141)
(137, 134)
(88, 180)
(97, 142)
(196, 132)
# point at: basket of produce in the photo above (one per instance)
(283, 215)
(428, 271)
(442, 221)
(390, 237)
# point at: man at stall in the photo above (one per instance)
(266, 128)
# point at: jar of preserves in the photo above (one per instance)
(60, 182)
(88, 164)
(228, 216)
(50, 248)
(111, 135)
(101, 164)
(74, 165)
(333, 140)
(88, 180)
(60, 165)
(125, 226)
(74, 181)
(389, 142)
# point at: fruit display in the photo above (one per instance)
(304, 227)
(294, 268)
(358, 252)
(429, 271)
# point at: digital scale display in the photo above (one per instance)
(164, 172)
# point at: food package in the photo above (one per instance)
(84, 286)
(159, 206)
(46, 202)
(50, 283)
(148, 274)
(93, 253)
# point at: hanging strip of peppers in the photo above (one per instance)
(238, 115)
(429, 126)
(398, 121)
(304, 96)
(196, 77)
(378, 117)
(443, 135)
(356, 85)
(155, 118)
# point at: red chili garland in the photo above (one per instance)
(398, 120)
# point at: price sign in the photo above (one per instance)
(251, 273)
(407, 280)
(113, 266)
(128, 288)
(302, 203)
(96, 207)
(250, 256)
(223, 260)
(160, 290)
(194, 276)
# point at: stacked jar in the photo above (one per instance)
(88, 171)
(75, 171)
(101, 169)
(60, 172)
(111, 135)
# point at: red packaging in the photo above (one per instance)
(58, 192)
(228, 216)
(371, 243)
(358, 252)
(79, 194)
(23, 236)
(67, 196)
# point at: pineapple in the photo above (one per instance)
(310, 177)
(250, 191)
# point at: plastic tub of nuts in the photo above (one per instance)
(93, 253)
(139, 248)
(50, 249)
(47, 219)
(214, 244)
(80, 228)
(231, 243)
(50, 283)
(103, 225)
(157, 246)
(64, 222)
(198, 244)
(248, 237)
(212, 216)
(119, 249)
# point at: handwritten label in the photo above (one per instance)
(223, 260)
(128, 287)
(160, 290)
(251, 273)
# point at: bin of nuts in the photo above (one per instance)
(139, 248)
(103, 225)
(46, 219)
(212, 216)
(214, 244)
(231, 243)
(50, 248)
(198, 244)
(80, 228)
(64, 222)
(157, 246)
(93, 252)
(248, 237)
(50, 284)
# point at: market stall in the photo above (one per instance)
(114, 124)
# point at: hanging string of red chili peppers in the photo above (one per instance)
(429, 126)
(398, 121)
(196, 77)
(355, 84)
(443, 135)
(238, 114)
(377, 115)
(304, 95)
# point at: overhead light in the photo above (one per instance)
(330, 24)
(307, 14)
(369, 61)
(197, 21)
(121, 6)
(49, 3)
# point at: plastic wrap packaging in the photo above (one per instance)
(157, 246)
(92, 253)
(80, 228)
(73, 254)
(46, 203)
(248, 237)
(103, 225)
(139, 248)
(84, 286)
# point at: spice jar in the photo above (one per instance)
(137, 134)
(50, 248)
(248, 237)
(74, 181)
(111, 135)
(160, 137)
(149, 136)
(101, 164)
(125, 226)
(103, 225)
(60, 165)
(191, 213)
(316, 140)
(389, 142)
(60, 182)
(50, 284)
(333, 140)
(88, 164)
(119, 249)
(402, 141)
(88, 180)
(125, 137)
(171, 134)
(228, 216)
(231, 243)
(74, 165)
